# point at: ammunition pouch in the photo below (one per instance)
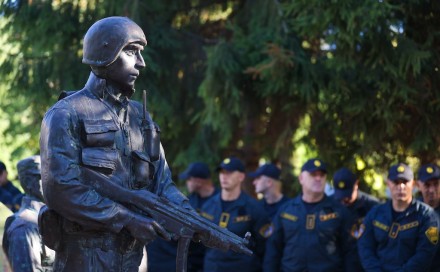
(50, 228)
(143, 170)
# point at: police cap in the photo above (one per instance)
(196, 170)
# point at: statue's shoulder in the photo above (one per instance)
(69, 100)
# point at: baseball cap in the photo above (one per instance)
(196, 170)
(268, 169)
(428, 172)
(313, 165)
(400, 171)
(231, 164)
(343, 183)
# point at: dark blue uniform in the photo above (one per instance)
(358, 210)
(314, 240)
(240, 216)
(162, 254)
(10, 196)
(404, 243)
(272, 209)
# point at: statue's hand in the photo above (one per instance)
(146, 229)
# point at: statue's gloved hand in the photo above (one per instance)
(146, 229)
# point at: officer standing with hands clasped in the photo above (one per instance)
(98, 134)
(311, 230)
(401, 234)
(239, 213)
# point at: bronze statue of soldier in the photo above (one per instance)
(99, 130)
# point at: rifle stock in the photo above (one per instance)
(183, 224)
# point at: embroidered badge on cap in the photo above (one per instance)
(432, 234)
(429, 170)
(226, 161)
(400, 169)
(317, 163)
(341, 184)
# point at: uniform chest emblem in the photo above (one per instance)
(380, 225)
(326, 217)
(224, 220)
(289, 216)
(243, 218)
(310, 221)
(207, 216)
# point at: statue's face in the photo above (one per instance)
(123, 73)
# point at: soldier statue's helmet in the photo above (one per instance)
(106, 38)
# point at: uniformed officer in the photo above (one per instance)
(162, 254)
(401, 234)
(429, 185)
(346, 191)
(428, 182)
(266, 182)
(10, 196)
(98, 134)
(21, 240)
(311, 230)
(239, 213)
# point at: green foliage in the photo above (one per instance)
(353, 82)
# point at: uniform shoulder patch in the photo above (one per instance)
(357, 231)
(266, 230)
(432, 234)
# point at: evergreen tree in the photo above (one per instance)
(355, 83)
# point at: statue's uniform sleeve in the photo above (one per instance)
(61, 171)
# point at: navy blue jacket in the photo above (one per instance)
(10, 196)
(243, 215)
(309, 241)
(407, 243)
(273, 208)
(162, 254)
(358, 210)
